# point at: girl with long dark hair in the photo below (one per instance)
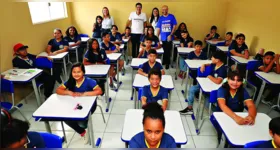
(154, 19)
(151, 35)
(97, 26)
(180, 28)
(78, 85)
(73, 39)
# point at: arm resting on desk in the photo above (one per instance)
(225, 109)
(234, 53)
(140, 71)
(143, 100)
(65, 49)
(96, 91)
(251, 108)
(215, 80)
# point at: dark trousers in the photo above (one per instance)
(135, 40)
(80, 126)
(167, 48)
(48, 82)
(57, 70)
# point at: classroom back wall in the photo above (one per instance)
(198, 15)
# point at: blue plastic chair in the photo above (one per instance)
(253, 144)
(221, 44)
(206, 72)
(8, 87)
(51, 140)
(252, 66)
(108, 61)
(139, 96)
(83, 35)
(44, 63)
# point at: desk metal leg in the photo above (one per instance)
(135, 98)
(187, 78)
(48, 127)
(131, 98)
(235, 67)
(36, 92)
(197, 113)
(177, 61)
(208, 50)
(161, 57)
(77, 59)
(169, 98)
(118, 84)
(91, 134)
(108, 99)
(172, 54)
(65, 69)
(260, 93)
(63, 130)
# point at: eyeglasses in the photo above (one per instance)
(27, 142)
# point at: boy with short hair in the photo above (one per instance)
(228, 38)
(155, 93)
(24, 60)
(213, 35)
(145, 50)
(218, 73)
(151, 64)
(274, 131)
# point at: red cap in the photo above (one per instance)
(19, 46)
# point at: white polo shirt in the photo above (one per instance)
(137, 22)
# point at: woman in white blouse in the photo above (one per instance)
(108, 20)
(154, 19)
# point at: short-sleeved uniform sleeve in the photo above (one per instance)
(234, 46)
(262, 65)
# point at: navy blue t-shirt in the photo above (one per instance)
(100, 57)
(218, 71)
(118, 37)
(267, 144)
(57, 45)
(97, 31)
(186, 41)
(36, 140)
(239, 49)
(162, 94)
(18, 62)
(108, 47)
(138, 141)
(215, 36)
(166, 26)
(154, 39)
(74, 39)
(146, 67)
(193, 56)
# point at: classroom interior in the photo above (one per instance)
(258, 20)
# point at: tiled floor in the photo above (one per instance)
(110, 132)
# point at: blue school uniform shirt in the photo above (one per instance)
(87, 85)
(110, 46)
(146, 67)
(166, 25)
(238, 49)
(232, 101)
(186, 41)
(155, 41)
(125, 36)
(18, 62)
(74, 39)
(145, 54)
(57, 45)
(261, 64)
(118, 37)
(138, 141)
(218, 72)
(100, 57)
(215, 36)
(36, 140)
(202, 56)
(161, 95)
(97, 31)
(267, 144)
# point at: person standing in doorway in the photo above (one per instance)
(107, 21)
(137, 21)
(166, 27)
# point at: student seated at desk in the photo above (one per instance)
(151, 35)
(151, 64)
(95, 55)
(24, 60)
(142, 37)
(73, 39)
(145, 50)
(270, 63)
(218, 73)
(127, 34)
(115, 36)
(56, 46)
(274, 131)
(111, 48)
(154, 93)
(178, 33)
(228, 40)
(15, 134)
(97, 27)
(214, 36)
(239, 48)
(153, 135)
(233, 97)
(76, 86)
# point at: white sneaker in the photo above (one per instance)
(86, 137)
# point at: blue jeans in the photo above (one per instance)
(183, 66)
(191, 95)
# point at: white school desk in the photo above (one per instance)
(114, 59)
(135, 63)
(206, 86)
(181, 51)
(24, 76)
(84, 39)
(239, 135)
(62, 108)
(125, 40)
(193, 65)
(74, 48)
(133, 125)
(241, 60)
(175, 43)
(223, 48)
(100, 72)
(213, 43)
(140, 81)
(269, 78)
(60, 56)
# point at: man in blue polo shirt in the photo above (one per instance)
(166, 27)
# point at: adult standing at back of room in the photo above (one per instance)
(166, 27)
(107, 21)
(137, 21)
(154, 19)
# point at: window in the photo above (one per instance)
(47, 11)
